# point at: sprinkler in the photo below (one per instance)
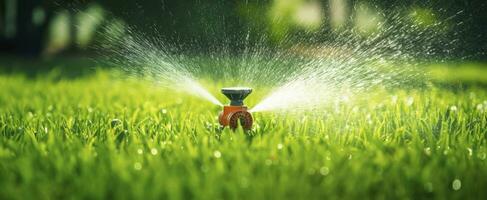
(236, 112)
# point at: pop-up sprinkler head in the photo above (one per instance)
(236, 95)
(236, 111)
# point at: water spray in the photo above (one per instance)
(236, 112)
(309, 75)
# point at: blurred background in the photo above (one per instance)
(69, 29)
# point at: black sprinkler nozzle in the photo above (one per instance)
(236, 94)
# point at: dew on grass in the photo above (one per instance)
(456, 184)
(268, 162)
(115, 122)
(140, 151)
(409, 101)
(355, 109)
(324, 170)
(137, 166)
(446, 151)
(479, 107)
(394, 100)
(482, 156)
(153, 151)
(217, 154)
(427, 151)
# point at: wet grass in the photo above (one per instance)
(99, 136)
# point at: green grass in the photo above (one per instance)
(97, 136)
(468, 73)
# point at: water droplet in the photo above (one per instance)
(427, 151)
(446, 151)
(153, 151)
(140, 151)
(115, 122)
(217, 154)
(409, 101)
(137, 166)
(456, 184)
(479, 107)
(324, 171)
(268, 162)
(394, 100)
(482, 156)
(355, 109)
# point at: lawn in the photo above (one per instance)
(99, 136)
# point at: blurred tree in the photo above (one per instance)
(211, 25)
(26, 24)
(286, 16)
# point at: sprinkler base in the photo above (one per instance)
(233, 115)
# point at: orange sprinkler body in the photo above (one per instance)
(236, 112)
(232, 114)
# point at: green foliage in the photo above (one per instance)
(102, 137)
